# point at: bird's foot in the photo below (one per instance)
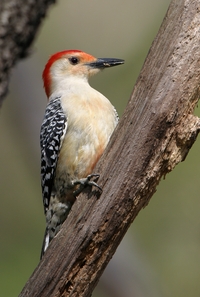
(84, 182)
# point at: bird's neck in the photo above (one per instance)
(69, 85)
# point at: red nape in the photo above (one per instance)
(46, 73)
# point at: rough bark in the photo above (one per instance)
(19, 23)
(155, 133)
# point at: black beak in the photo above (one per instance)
(106, 62)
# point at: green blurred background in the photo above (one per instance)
(159, 255)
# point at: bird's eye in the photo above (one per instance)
(74, 60)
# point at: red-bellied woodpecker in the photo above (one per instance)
(77, 126)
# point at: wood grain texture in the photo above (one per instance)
(155, 133)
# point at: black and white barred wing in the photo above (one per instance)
(53, 130)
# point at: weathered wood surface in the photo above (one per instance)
(155, 133)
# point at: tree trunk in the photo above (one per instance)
(155, 133)
(19, 23)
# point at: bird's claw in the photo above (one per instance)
(84, 182)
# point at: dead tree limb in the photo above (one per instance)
(155, 133)
(19, 23)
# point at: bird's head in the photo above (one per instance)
(73, 64)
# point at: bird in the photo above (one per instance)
(75, 131)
